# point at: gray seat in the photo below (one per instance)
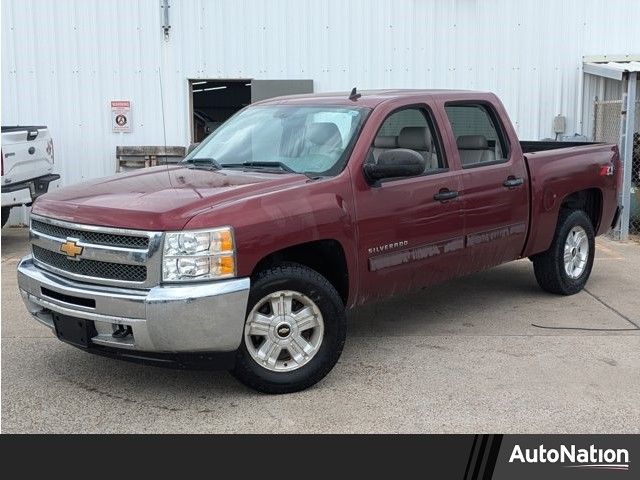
(474, 149)
(323, 138)
(419, 139)
(383, 143)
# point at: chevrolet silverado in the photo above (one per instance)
(247, 254)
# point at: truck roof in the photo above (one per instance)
(369, 98)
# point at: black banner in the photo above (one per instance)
(464, 457)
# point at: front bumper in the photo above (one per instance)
(207, 317)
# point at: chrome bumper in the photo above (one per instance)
(16, 197)
(207, 317)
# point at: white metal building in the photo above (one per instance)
(64, 61)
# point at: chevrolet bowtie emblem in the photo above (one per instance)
(71, 249)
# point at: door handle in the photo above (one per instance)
(445, 194)
(513, 182)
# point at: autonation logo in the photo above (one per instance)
(592, 457)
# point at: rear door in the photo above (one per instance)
(408, 237)
(495, 193)
(27, 152)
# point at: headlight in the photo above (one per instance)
(198, 255)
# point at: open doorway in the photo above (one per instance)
(212, 101)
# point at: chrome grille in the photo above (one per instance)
(91, 268)
(110, 256)
(96, 238)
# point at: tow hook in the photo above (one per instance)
(122, 331)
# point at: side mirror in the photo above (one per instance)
(192, 147)
(399, 162)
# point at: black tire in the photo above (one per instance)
(5, 215)
(549, 266)
(298, 278)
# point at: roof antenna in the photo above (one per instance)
(354, 96)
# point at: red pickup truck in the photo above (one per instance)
(247, 254)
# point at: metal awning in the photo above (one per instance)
(614, 70)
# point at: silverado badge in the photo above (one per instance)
(71, 249)
(388, 246)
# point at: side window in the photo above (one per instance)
(409, 128)
(478, 134)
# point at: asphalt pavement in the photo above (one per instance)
(487, 353)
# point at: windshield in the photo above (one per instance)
(308, 140)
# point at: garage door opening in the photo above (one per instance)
(212, 101)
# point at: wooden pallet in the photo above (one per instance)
(133, 157)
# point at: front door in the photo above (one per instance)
(410, 230)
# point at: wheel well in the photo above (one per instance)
(324, 256)
(589, 200)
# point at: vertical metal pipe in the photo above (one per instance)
(579, 121)
(165, 15)
(627, 124)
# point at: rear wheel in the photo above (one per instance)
(294, 332)
(5, 215)
(565, 267)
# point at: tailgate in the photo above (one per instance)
(27, 152)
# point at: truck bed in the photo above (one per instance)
(558, 172)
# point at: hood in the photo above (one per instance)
(157, 198)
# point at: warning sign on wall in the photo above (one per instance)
(121, 116)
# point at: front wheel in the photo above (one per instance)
(565, 267)
(294, 332)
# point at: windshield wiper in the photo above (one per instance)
(282, 166)
(265, 164)
(208, 162)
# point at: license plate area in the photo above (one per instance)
(76, 331)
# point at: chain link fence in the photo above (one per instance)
(606, 128)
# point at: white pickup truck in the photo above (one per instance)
(27, 166)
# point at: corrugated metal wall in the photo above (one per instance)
(64, 61)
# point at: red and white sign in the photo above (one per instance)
(121, 115)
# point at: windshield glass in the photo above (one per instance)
(309, 140)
